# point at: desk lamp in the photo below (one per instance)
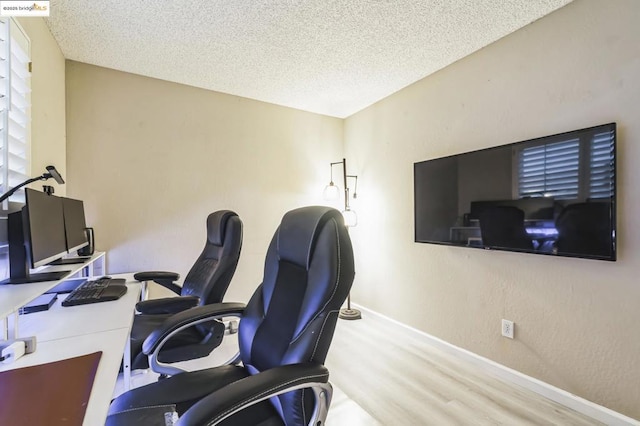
(332, 192)
(51, 173)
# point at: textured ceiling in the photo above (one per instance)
(325, 56)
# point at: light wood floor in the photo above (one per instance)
(389, 375)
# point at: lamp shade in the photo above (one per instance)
(350, 218)
(331, 192)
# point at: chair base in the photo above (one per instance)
(350, 314)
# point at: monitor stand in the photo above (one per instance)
(70, 260)
(36, 278)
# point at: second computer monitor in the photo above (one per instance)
(74, 224)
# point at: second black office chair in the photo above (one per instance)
(503, 226)
(206, 283)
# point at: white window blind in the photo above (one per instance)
(550, 170)
(569, 169)
(601, 166)
(15, 107)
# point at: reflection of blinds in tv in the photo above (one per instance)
(601, 166)
(550, 170)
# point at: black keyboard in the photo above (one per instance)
(100, 290)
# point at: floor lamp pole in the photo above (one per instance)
(347, 313)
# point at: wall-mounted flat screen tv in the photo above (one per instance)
(554, 195)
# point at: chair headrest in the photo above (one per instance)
(216, 225)
(298, 231)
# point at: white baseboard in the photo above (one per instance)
(581, 405)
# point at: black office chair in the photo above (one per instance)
(584, 228)
(284, 336)
(503, 226)
(206, 283)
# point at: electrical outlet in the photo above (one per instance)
(507, 328)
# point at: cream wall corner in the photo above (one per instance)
(575, 319)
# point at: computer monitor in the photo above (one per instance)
(74, 224)
(74, 227)
(36, 237)
(44, 227)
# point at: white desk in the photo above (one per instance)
(65, 332)
(15, 296)
(60, 322)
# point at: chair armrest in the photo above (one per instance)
(189, 318)
(165, 279)
(236, 396)
(167, 305)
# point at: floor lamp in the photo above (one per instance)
(332, 192)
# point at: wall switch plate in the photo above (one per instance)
(507, 328)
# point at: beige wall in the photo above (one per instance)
(152, 159)
(576, 320)
(48, 138)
